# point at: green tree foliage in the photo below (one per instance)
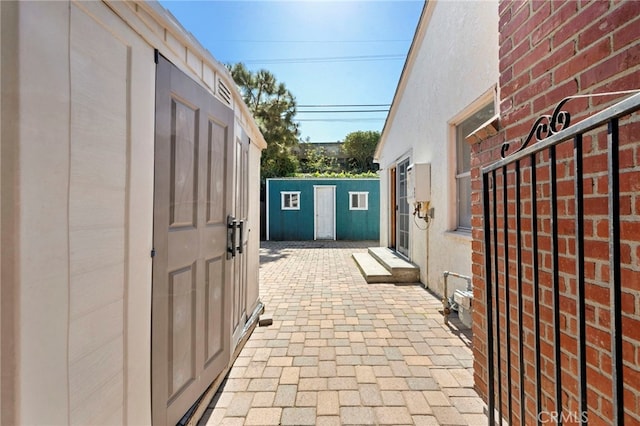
(318, 161)
(273, 107)
(360, 147)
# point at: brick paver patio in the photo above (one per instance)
(344, 352)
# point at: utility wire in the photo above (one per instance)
(362, 58)
(340, 111)
(316, 41)
(343, 105)
(331, 120)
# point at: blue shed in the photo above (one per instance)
(301, 209)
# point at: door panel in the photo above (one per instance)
(214, 308)
(241, 213)
(392, 206)
(402, 213)
(325, 212)
(182, 312)
(191, 301)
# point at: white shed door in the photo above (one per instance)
(325, 212)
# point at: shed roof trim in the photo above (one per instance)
(166, 21)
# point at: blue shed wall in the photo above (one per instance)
(298, 225)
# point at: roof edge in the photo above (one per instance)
(416, 43)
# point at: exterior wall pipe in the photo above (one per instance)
(446, 300)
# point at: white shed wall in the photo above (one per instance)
(77, 163)
(454, 63)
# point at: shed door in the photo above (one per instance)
(325, 212)
(241, 213)
(191, 306)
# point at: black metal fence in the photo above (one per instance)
(505, 193)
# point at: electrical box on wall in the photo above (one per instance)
(419, 183)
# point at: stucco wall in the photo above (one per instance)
(77, 196)
(453, 65)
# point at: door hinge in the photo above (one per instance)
(156, 56)
(153, 252)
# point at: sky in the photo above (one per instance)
(326, 52)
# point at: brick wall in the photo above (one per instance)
(550, 50)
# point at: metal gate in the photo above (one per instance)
(553, 268)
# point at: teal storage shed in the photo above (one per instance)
(300, 209)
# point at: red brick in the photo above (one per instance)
(582, 60)
(596, 250)
(527, 93)
(621, 82)
(630, 278)
(518, 52)
(594, 163)
(580, 21)
(627, 34)
(517, 20)
(513, 86)
(619, 63)
(558, 56)
(630, 229)
(629, 182)
(596, 206)
(505, 47)
(609, 22)
(626, 156)
(542, 10)
(632, 328)
(535, 55)
(601, 23)
(504, 8)
(548, 101)
(557, 18)
(595, 68)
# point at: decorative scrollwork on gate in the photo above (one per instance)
(543, 127)
(549, 125)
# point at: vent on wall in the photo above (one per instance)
(224, 92)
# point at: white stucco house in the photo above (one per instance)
(447, 90)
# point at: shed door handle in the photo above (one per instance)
(231, 236)
(240, 225)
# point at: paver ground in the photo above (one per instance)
(344, 352)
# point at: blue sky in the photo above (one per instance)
(326, 52)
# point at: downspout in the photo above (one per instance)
(426, 285)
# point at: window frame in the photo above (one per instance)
(359, 193)
(459, 145)
(283, 195)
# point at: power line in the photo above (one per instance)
(331, 120)
(342, 111)
(343, 105)
(317, 41)
(389, 57)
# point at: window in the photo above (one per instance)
(290, 200)
(463, 163)
(358, 200)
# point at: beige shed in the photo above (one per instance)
(129, 176)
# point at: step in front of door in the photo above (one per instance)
(372, 271)
(401, 270)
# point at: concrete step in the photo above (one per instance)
(402, 271)
(372, 270)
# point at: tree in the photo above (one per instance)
(317, 161)
(360, 147)
(273, 107)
